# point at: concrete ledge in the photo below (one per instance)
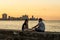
(29, 35)
(40, 35)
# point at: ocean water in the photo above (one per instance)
(51, 25)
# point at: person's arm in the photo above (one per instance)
(36, 25)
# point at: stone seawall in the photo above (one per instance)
(40, 36)
(29, 35)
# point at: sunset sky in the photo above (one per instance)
(46, 9)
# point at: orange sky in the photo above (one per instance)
(47, 9)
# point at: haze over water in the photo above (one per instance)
(53, 26)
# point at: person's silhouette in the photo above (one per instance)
(25, 25)
(41, 26)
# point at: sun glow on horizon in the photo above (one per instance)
(46, 9)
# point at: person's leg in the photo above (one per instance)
(41, 31)
(38, 30)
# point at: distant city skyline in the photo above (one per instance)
(23, 17)
(46, 9)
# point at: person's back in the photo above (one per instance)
(25, 25)
(41, 26)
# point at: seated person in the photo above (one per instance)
(40, 26)
(25, 25)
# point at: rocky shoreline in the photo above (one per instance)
(28, 35)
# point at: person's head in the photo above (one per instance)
(26, 20)
(40, 19)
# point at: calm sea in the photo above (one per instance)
(53, 26)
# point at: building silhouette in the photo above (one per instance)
(32, 18)
(4, 16)
(24, 17)
(9, 17)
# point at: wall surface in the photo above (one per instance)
(28, 35)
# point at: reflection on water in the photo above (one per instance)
(16, 25)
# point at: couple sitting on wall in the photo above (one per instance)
(40, 27)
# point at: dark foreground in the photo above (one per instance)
(28, 35)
